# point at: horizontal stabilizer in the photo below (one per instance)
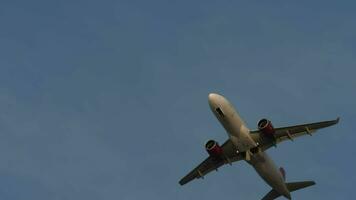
(299, 185)
(273, 194)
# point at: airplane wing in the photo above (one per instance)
(212, 163)
(290, 132)
(230, 154)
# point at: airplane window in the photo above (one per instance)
(219, 111)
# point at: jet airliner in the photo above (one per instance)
(250, 145)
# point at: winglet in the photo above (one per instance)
(335, 121)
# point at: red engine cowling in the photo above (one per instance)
(266, 127)
(213, 148)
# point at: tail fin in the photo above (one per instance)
(283, 172)
(293, 186)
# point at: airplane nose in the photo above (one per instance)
(212, 98)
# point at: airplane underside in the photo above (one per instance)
(250, 146)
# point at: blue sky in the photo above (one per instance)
(108, 100)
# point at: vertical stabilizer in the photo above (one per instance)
(283, 172)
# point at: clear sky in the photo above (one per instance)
(109, 99)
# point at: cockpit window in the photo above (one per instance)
(220, 112)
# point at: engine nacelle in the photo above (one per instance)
(213, 148)
(266, 127)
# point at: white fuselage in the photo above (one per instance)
(239, 134)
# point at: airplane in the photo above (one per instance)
(250, 145)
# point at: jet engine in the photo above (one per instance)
(213, 148)
(266, 127)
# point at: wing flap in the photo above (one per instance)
(204, 168)
(290, 132)
(210, 164)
